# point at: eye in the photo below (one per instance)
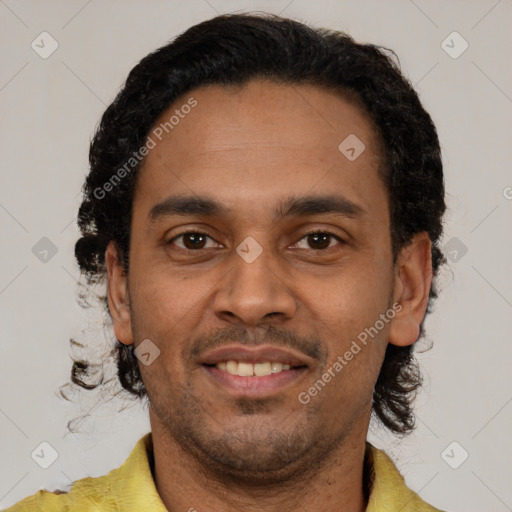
(192, 240)
(195, 240)
(320, 240)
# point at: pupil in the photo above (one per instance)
(316, 236)
(195, 238)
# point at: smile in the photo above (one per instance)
(244, 369)
(254, 371)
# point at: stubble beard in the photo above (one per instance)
(262, 454)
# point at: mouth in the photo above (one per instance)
(245, 369)
(254, 371)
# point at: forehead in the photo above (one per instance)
(251, 145)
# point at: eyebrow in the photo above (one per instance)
(294, 206)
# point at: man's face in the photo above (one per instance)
(303, 300)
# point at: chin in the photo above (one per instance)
(257, 452)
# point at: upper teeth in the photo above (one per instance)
(249, 370)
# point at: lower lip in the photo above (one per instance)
(255, 386)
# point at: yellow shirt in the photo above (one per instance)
(131, 488)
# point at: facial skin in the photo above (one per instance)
(250, 149)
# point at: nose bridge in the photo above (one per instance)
(253, 288)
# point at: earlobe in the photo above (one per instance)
(412, 287)
(118, 297)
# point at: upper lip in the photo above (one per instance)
(254, 354)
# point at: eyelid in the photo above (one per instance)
(190, 231)
(327, 232)
(340, 239)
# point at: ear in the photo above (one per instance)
(118, 296)
(413, 277)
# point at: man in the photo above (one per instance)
(265, 201)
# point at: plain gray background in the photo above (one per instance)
(49, 109)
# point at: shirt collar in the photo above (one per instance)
(134, 486)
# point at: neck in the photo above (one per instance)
(187, 482)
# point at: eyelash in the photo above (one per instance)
(318, 231)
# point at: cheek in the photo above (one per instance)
(167, 309)
(346, 311)
(163, 300)
(349, 300)
(159, 313)
(356, 341)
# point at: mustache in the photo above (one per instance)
(309, 345)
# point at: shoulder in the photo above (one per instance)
(86, 495)
(131, 484)
(389, 491)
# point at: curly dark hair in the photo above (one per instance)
(231, 50)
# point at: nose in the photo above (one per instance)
(254, 293)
